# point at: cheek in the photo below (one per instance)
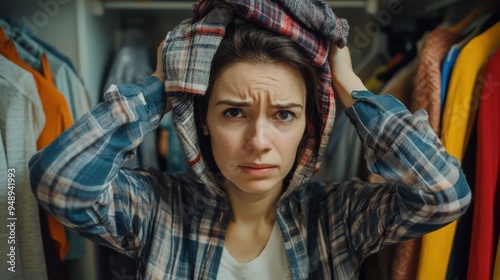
(224, 144)
(222, 140)
(227, 151)
(290, 145)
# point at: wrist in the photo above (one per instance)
(158, 75)
(344, 84)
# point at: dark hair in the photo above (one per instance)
(245, 41)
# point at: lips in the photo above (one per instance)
(254, 169)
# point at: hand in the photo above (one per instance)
(159, 63)
(159, 70)
(344, 80)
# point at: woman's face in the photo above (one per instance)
(256, 119)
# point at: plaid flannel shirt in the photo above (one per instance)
(175, 225)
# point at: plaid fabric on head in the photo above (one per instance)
(190, 47)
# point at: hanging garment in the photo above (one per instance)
(484, 236)
(459, 256)
(131, 61)
(461, 106)
(46, 46)
(446, 69)
(30, 50)
(473, 30)
(459, 116)
(57, 118)
(426, 94)
(131, 65)
(21, 121)
(65, 79)
(344, 150)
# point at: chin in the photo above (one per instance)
(256, 186)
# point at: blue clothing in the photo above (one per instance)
(174, 225)
(446, 69)
(49, 48)
(65, 79)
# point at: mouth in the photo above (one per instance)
(257, 169)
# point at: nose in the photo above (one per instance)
(259, 137)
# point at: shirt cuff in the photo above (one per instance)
(150, 91)
(369, 107)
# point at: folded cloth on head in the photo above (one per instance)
(190, 47)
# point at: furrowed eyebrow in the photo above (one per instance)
(287, 106)
(234, 103)
(248, 104)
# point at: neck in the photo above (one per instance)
(253, 209)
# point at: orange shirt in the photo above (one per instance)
(57, 119)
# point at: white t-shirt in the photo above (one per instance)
(271, 264)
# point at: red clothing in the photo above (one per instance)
(484, 234)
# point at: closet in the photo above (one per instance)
(385, 39)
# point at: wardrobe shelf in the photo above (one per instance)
(187, 5)
(151, 5)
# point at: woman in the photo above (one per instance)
(255, 215)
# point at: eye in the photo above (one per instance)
(233, 113)
(284, 115)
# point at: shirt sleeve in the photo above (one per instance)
(426, 188)
(77, 178)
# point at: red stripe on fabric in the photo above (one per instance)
(210, 30)
(183, 89)
(195, 161)
(203, 30)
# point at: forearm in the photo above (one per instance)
(77, 167)
(344, 84)
(403, 148)
(344, 80)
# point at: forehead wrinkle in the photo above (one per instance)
(267, 96)
(261, 87)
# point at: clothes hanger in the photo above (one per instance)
(4, 24)
(477, 12)
(472, 31)
(492, 20)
